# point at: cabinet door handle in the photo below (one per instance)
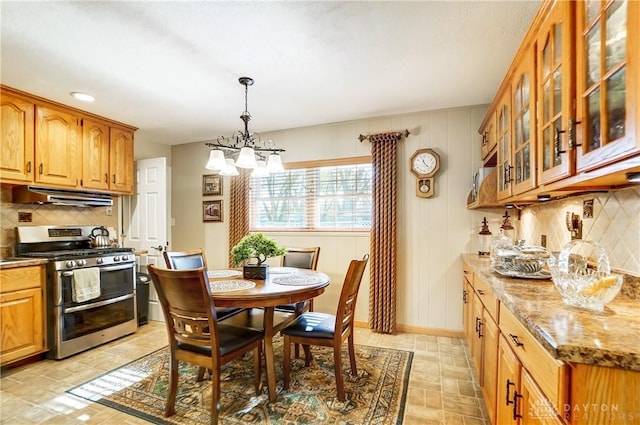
(516, 415)
(106, 177)
(464, 297)
(515, 340)
(114, 178)
(28, 166)
(480, 292)
(556, 143)
(480, 329)
(507, 173)
(40, 168)
(509, 384)
(572, 133)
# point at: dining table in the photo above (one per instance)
(283, 285)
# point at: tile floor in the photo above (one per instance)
(442, 386)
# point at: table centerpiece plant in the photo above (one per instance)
(260, 247)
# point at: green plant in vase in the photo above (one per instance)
(260, 247)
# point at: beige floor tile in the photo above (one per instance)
(442, 387)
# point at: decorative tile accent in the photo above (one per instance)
(615, 225)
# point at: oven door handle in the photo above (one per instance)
(104, 269)
(98, 304)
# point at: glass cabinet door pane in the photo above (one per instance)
(593, 7)
(593, 117)
(518, 167)
(557, 91)
(546, 101)
(557, 158)
(526, 124)
(546, 58)
(557, 44)
(547, 149)
(616, 105)
(616, 30)
(526, 168)
(593, 55)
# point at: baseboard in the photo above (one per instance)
(418, 330)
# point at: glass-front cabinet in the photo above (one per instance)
(607, 82)
(554, 70)
(503, 139)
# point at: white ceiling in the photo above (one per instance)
(172, 68)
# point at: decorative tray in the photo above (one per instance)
(539, 275)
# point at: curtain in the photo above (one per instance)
(238, 209)
(382, 295)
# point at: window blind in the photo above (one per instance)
(313, 198)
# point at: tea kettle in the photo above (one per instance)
(101, 239)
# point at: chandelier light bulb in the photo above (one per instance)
(229, 169)
(261, 169)
(247, 158)
(274, 164)
(216, 160)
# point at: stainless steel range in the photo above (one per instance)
(90, 291)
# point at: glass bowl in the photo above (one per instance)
(520, 259)
(580, 285)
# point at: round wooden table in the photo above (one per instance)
(268, 294)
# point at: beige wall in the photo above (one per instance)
(432, 232)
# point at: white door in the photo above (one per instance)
(146, 216)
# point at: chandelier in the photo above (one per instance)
(244, 149)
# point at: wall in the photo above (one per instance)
(432, 232)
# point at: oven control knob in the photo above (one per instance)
(81, 262)
(125, 258)
(116, 258)
(70, 264)
(99, 261)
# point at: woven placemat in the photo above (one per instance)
(223, 273)
(282, 270)
(297, 279)
(231, 285)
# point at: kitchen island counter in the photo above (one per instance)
(610, 338)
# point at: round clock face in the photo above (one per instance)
(424, 163)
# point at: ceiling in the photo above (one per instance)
(172, 68)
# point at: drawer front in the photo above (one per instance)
(487, 297)
(550, 374)
(18, 278)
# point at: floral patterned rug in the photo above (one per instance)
(376, 396)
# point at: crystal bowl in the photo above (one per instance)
(581, 285)
(521, 259)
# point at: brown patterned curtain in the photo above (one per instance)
(382, 296)
(238, 209)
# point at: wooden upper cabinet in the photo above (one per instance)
(121, 160)
(95, 149)
(523, 142)
(17, 132)
(489, 143)
(58, 147)
(555, 88)
(503, 139)
(608, 81)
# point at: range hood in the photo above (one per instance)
(44, 195)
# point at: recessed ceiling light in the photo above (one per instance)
(85, 97)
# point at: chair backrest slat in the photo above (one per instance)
(349, 294)
(183, 260)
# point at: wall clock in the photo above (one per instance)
(424, 164)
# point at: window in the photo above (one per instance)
(327, 197)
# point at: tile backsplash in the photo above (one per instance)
(614, 223)
(47, 214)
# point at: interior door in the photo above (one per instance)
(146, 217)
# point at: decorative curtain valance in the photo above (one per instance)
(382, 296)
(238, 210)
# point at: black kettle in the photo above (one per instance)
(100, 237)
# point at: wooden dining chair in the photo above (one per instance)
(193, 259)
(195, 336)
(313, 328)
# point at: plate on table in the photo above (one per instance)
(214, 274)
(539, 275)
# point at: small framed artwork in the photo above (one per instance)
(211, 184)
(212, 210)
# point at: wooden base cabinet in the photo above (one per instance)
(22, 313)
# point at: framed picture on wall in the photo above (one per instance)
(211, 184)
(212, 210)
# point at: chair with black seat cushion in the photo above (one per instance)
(301, 258)
(193, 259)
(195, 336)
(313, 328)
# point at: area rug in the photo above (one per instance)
(375, 397)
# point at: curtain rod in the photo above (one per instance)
(363, 137)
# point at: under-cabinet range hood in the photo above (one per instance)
(44, 195)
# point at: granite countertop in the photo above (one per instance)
(12, 262)
(609, 338)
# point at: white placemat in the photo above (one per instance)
(223, 273)
(282, 270)
(231, 285)
(297, 279)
